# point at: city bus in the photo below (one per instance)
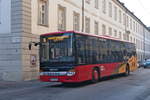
(73, 57)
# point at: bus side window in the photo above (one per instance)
(99, 50)
(86, 57)
(96, 54)
(80, 50)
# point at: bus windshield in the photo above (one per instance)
(57, 48)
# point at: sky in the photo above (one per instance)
(141, 9)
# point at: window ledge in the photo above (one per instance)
(43, 25)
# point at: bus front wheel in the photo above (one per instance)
(95, 75)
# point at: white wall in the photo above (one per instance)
(136, 31)
(5, 16)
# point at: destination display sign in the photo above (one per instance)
(58, 38)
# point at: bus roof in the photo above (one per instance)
(100, 36)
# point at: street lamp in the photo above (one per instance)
(82, 15)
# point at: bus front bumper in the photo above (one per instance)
(63, 77)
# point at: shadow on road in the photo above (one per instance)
(83, 84)
(70, 85)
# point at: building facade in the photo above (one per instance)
(22, 21)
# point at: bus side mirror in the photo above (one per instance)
(35, 44)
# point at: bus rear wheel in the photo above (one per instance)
(127, 72)
(95, 75)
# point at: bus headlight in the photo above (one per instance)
(41, 73)
(71, 73)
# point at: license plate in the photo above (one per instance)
(54, 79)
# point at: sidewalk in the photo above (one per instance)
(13, 84)
(4, 85)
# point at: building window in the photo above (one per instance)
(124, 19)
(131, 24)
(61, 18)
(110, 9)
(96, 28)
(115, 33)
(96, 4)
(124, 36)
(76, 21)
(138, 28)
(43, 12)
(127, 21)
(88, 1)
(127, 37)
(110, 31)
(131, 38)
(134, 26)
(103, 29)
(120, 16)
(120, 36)
(104, 6)
(115, 13)
(87, 25)
(134, 40)
(142, 45)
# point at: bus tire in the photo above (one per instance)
(127, 72)
(95, 75)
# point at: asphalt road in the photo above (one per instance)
(134, 87)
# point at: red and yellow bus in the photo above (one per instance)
(71, 57)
